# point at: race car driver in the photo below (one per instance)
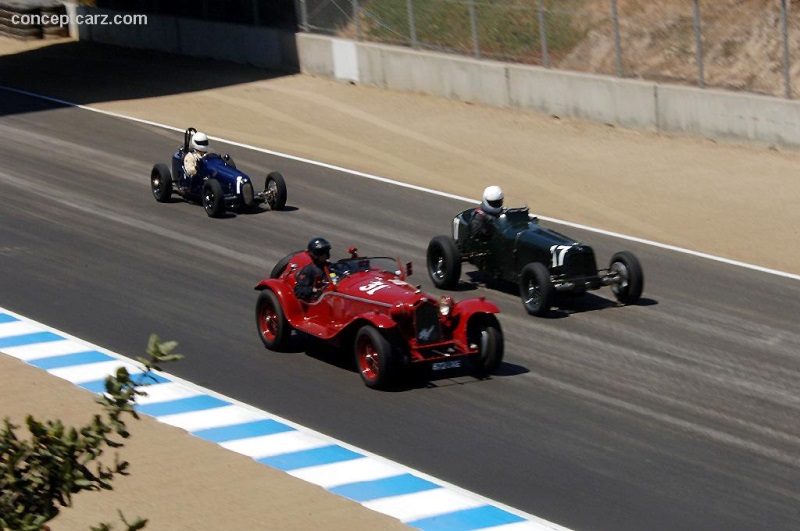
(486, 213)
(311, 278)
(199, 145)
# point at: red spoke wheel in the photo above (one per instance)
(374, 357)
(273, 329)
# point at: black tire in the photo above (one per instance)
(631, 283)
(485, 332)
(375, 360)
(271, 323)
(212, 198)
(536, 290)
(161, 183)
(229, 161)
(247, 198)
(444, 262)
(275, 187)
(281, 265)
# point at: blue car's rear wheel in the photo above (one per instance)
(212, 198)
(161, 183)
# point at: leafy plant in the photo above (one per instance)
(39, 476)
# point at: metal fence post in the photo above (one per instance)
(303, 16)
(543, 36)
(698, 39)
(617, 48)
(473, 22)
(787, 82)
(412, 27)
(357, 19)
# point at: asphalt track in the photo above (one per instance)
(680, 412)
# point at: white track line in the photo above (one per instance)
(393, 182)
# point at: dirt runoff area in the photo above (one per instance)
(735, 201)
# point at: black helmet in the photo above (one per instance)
(318, 246)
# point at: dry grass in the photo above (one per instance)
(742, 47)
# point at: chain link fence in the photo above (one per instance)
(745, 45)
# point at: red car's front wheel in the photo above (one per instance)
(273, 329)
(373, 357)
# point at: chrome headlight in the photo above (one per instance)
(445, 306)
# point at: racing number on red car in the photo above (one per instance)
(375, 285)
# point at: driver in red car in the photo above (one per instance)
(199, 145)
(311, 279)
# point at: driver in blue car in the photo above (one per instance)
(199, 145)
(486, 213)
(312, 278)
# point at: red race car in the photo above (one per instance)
(366, 302)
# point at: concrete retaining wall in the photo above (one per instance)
(627, 103)
(263, 47)
(622, 102)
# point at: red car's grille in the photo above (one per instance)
(427, 328)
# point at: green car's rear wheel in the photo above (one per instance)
(444, 262)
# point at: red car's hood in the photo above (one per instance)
(380, 287)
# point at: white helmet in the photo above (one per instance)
(200, 142)
(492, 200)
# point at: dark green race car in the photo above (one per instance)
(541, 261)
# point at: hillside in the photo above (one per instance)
(742, 44)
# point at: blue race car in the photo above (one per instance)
(217, 185)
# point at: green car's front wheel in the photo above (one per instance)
(630, 278)
(536, 290)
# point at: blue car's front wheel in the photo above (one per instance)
(275, 191)
(212, 198)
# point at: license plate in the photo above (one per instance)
(443, 365)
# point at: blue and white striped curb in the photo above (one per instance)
(414, 498)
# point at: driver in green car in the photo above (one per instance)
(486, 213)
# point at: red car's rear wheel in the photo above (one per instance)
(273, 329)
(373, 357)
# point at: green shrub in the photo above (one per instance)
(39, 476)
